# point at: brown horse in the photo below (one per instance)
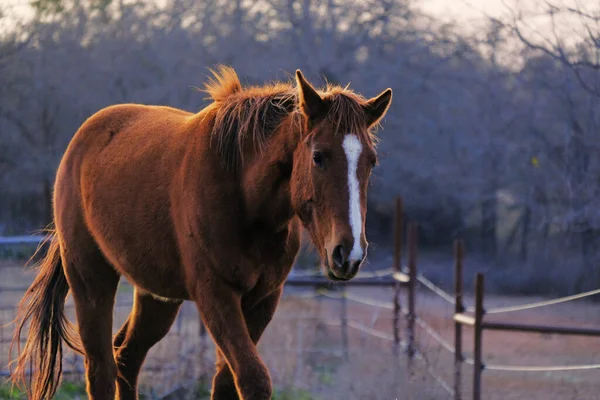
(206, 207)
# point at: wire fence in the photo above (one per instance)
(186, 355)
(479, 325)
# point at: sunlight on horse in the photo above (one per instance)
(206, 207)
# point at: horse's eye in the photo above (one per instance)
(318, 159)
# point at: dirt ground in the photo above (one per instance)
(303, 348)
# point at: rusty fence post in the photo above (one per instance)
(458, 308)
(412, 284)
(203, 348)
(202, 330)
(398, 269)
(478, 333)
(344, 323)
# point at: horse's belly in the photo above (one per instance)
(134, 231)
(161, 282)
(148, 260)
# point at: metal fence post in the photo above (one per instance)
(458, 308)
(478, 331)
(204, 374)
(412, 273)
(344, 323)
(398, 269)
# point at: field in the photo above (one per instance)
(303, 348)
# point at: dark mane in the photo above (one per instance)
(255, 112)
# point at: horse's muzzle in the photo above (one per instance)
(340, 267)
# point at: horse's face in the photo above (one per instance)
(340, 168)
(330, 178)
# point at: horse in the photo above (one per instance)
(206, 207)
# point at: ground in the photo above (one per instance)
(303, 348)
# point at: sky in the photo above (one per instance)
(466, 13)
(462, 10)
(440, 8)
(469, 15)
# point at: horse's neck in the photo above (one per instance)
(266, 186)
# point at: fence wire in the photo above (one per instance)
(498, 310)
(555, 368)
(365, 329)
(440, 381)
(535, 368)
(356, 298)
(436, 336)
(362, 274)
(530, 306)
(435, 289)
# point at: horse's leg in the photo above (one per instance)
(223, 385)
(149, 321)
(221, 309)
(257, 318)
(93, 284)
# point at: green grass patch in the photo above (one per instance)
(7, 392)
(70, 391)
(67, 391)
(17, 251)
(292, 394)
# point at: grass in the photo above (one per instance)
(67, 391)
(21, 252)
(8, 392)
(292, 394)
(70, 391)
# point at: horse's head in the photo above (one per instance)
(332, 166)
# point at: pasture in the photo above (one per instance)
(304, 352)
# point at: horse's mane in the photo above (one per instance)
(255, 112)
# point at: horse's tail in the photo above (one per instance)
(43, 304)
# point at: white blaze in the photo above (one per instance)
(353, 148)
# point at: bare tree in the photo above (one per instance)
(572, 37)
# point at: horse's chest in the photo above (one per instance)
(273, 274)
(274, 259)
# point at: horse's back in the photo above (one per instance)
(114, 182)
(126, 138)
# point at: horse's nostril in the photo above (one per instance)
(354, 266)
(339, 256)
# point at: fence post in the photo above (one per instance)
(202, 331)
(478, 330)
(397, 268)
(204, 374)
(458, 308)
(344, 323)
(299, 365)
(412, 275)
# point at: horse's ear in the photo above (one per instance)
(376, 107)
(311, 104)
